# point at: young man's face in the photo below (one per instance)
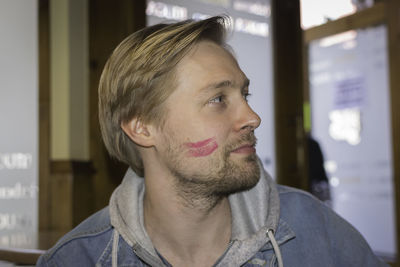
(208, 141)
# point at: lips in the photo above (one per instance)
(245, 149)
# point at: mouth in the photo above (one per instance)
(245, 149)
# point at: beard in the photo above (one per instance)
(205, 181)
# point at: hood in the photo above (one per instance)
(254, 212)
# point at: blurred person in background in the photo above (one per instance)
(318, 180)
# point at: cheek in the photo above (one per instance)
(202, 148)
(215, 128)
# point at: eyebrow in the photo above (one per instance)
(226, 83)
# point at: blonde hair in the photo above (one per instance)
(139, 76)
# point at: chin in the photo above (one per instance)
(240, 177)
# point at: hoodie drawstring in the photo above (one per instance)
(114, 255)
(270, 234)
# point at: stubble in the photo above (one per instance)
(206, 182)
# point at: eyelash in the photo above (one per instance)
(246, 96)
(221, 98)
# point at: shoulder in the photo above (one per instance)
(84, 243)
(316, 224)
(307, 215)
(296, 196)
(300, 206)
(283, 189)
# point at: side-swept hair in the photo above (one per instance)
(139, 76)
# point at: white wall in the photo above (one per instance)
(19, 122)
(350, 107)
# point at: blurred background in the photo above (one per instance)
(325, 79)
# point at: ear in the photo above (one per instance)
(138, 132)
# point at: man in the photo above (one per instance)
(173, 105)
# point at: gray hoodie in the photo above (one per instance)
(254, 212)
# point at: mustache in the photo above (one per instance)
(245, 139)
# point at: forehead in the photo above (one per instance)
(207, 63)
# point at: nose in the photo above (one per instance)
(247, 119)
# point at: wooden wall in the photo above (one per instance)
(288, 94)
(44, 115)
(392, 13)
(109, 23)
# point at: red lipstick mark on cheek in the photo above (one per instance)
(202, 148)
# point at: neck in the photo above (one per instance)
(187, 231)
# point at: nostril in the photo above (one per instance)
(251, 124)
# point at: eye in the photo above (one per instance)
(218, 99)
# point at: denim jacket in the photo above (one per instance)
(307, 232)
